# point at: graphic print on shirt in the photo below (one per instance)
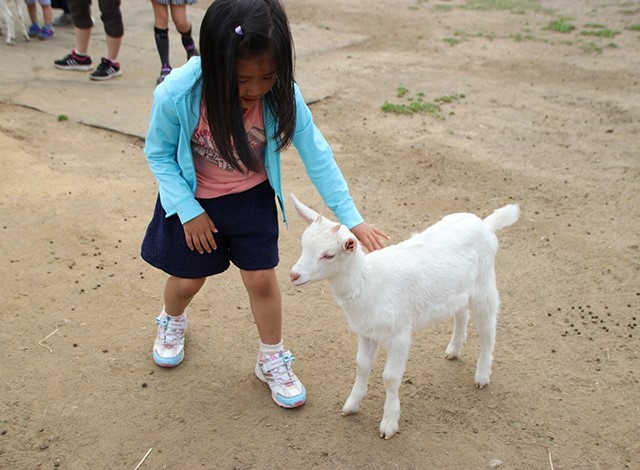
(206, 148)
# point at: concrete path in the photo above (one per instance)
(28, 77)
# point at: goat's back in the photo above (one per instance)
(433, 273)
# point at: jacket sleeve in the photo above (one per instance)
(161, 149)
(321, 166)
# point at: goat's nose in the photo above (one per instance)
(293, 276)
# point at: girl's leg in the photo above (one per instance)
(82, 40)
(266, 303)
(47, 14)
(32, 9)
(168, 348)
(160, 15)
(161, 33)
(178, 293)
(183, 25)
(274, 362)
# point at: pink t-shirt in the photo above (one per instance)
(215, 176)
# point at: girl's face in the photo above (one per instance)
(256, 76)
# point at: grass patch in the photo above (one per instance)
(453, 41)
(560, 26)
(633, 27)
(592, 48)
(62, 117)
(449, 98)
(519, 37)
(600, 33)
(516, 6)
(417, 104)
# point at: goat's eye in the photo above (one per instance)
(328, 256)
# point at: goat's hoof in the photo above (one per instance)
(349, 411)
(451, 357)
(351, 406)
(388, 428)
(483, 385)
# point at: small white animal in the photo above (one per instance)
(446, 271)
(8, 19)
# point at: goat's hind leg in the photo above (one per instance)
(23, 24)
(459, 335)
(484, 312)
(8, 18)
(364, 362)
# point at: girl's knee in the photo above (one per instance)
(263, 283)
(183, 287)
(183, 27)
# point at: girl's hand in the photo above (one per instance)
(198, 233)
(371, 238)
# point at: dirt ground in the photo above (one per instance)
(527, 114)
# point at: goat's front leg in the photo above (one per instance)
(367, 348)
(397, 354)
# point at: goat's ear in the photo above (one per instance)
(306, 213)
(348, 240)
(350, 244)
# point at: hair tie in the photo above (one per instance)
(238, 30)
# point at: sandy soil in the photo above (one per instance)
(548, 120)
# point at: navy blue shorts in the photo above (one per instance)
(247, 236)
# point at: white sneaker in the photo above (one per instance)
(168, 348)
(275, 370)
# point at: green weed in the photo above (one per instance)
(560, 26)
(416, 104)
(401, 92)
(63, 117)
(633, 27)
(453, 41)
(449, 98)
(592, 48)
(601, 33)
(516, 6)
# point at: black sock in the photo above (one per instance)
(162, 42)
(189, 44)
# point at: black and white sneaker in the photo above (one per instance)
(106, 70)
(74, 61)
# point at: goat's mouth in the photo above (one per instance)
(299, 283)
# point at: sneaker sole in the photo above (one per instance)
(168, 363)
(108, 77)
(79, 68)
(284, 402)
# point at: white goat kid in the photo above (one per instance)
(445, 271)
(9, 20)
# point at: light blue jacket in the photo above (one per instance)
(174, 116)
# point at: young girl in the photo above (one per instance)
(161, 29)
(218, 125)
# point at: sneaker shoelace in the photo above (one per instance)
(277, 368)
(171, 331)
(107, 67)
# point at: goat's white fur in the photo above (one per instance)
(445, 271)
(9, 20)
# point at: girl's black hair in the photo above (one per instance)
(264, 30)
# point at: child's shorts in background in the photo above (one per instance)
(247, 236)
(44, 3)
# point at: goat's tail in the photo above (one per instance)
(503, 217)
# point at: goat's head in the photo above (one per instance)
(325, 245)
